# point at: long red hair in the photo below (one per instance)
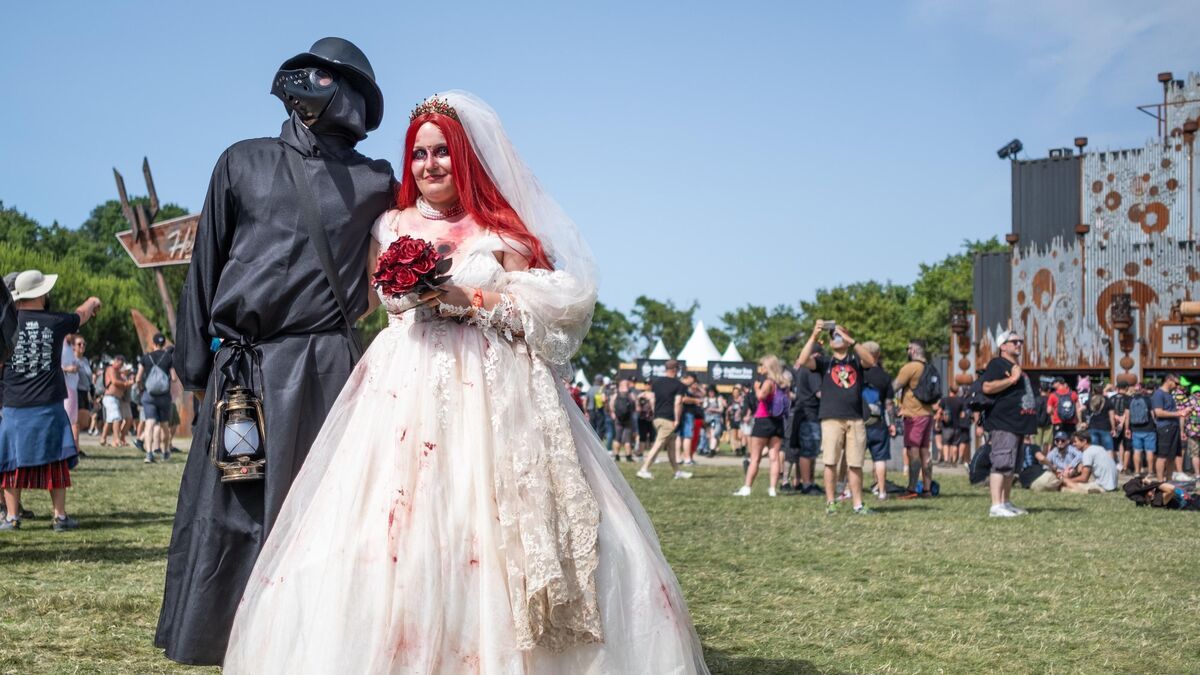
(476, 191)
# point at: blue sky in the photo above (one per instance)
(724, 152)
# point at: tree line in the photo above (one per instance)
(90, 261)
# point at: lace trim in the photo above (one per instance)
(549, 518)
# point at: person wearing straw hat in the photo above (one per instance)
(37, 449)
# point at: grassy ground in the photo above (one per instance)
(1083, 584)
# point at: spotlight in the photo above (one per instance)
(1011, 149)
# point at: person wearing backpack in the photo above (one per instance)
(877, 402)
(919, 388)
(1119, 403)
(622, 407)
(1141, 431)
(1167, 416)
(1063, 405)
(155, 376)
(774, 399)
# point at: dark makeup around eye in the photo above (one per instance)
(438, 150)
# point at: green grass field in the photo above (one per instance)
(1083, 584)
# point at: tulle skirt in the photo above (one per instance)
(395, 549)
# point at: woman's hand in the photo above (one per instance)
(449, 294)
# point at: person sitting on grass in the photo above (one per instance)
(1096, 472)
(1063, 457)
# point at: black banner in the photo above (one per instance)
(731, 372)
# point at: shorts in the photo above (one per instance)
(1145, 440)
(916, 431)
(1044, 436)
(767, 427)
(1102, 438)
(1168, 442)
(645, 430)
(879, 444)
(689, 423)
(1193, 446)
(664, 431)
(806, 441)
(956, 436)
(623, 432)
(1005, 446)
(85, 399)
(746, 428)
(126, 410)
(848, 437)
(157, 408)
(715, 423)
(112, 409)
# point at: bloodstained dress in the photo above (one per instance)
(255, 279)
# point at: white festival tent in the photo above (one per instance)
(660, 352)
(699, 349)
(732, 353)
(581, 381)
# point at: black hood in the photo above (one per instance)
(346, 115)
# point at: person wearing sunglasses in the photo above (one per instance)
(1012, 417)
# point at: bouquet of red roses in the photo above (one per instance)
(409, 266)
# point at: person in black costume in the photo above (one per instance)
(257, 284)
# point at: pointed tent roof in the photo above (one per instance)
(581, 381)
(732, 353)
(660, 352)
(699, 349)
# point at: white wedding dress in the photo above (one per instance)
(457, 514)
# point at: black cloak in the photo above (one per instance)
(255, 278)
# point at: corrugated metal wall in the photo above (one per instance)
(1137, 204)
(1045, 199)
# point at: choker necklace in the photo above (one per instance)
(427, 211)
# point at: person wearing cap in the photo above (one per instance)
(1064, 458)
(155, 371)
(1013, 416)
(278, 277)
(37, 449)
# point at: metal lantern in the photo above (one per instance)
(1122, 311)
(238, 437)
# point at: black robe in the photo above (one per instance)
(255, 277)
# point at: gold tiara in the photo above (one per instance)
(434, 106)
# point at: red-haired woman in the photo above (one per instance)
(457, 513)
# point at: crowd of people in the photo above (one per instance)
(52, 391)
(838, 401)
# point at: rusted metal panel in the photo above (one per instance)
(1138, 242)
(1045, 199)
(168, 242)
(1183, 103)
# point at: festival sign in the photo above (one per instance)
(1181, 340)
(731, 372)
(648, 368)
(168, 242)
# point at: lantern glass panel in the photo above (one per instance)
(241, 438)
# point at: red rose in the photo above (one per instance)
(408, 249)
(403, 280)
(425, 263)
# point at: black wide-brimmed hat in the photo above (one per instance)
(349, 61)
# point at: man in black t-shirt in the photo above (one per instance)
(877, 401)
(666, 394)
(804, 435)
(843, 430)
(1012, 417)
(157, 405)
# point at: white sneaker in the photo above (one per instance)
(882, 496)
(1001, 511)
(1015, 509)
(771, 492)
(1180, 477)
(682, 474)
(642, 473)
(743, 491)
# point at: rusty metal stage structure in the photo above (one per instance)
(1103, 271)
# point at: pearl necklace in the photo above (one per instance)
(427, 211)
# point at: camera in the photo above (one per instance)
(831, 326)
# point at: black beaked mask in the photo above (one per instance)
(307, 91)
(345, 115)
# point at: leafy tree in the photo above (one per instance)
(869, 310)
(758, 331)
(654, 319)
(611, 336)
(940, 283)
